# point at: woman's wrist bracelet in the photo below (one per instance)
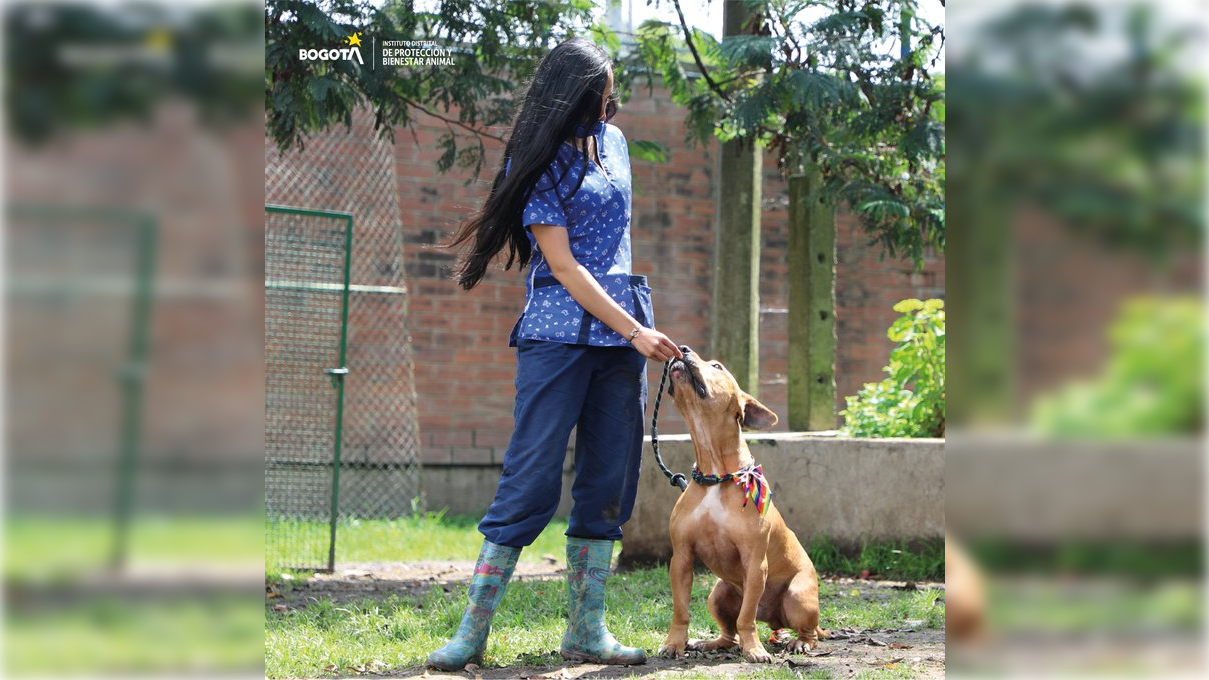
(633, 334)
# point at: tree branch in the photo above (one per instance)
(688, 38)
(458, 123)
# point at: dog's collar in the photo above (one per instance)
(710, 480)
(750, 477)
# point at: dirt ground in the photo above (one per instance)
(920, 652)
(361, 580)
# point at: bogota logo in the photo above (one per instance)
(353, 51)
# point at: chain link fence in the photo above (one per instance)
(378, 476)
(78, 292)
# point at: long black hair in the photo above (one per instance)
(565, 91)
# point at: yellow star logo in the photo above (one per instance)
(354, 40)
(158, 39)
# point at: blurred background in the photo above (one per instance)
(133, 144)
(134, 379)
(1074, 467)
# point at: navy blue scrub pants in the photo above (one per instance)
(600, 391)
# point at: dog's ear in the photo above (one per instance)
(756, 416)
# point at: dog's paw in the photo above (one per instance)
(758, 655)
(712, 645)
(672, 650)
(800, 646)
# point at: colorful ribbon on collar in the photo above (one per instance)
(755, 487)
(750, 477)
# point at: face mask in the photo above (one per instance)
(584, 129)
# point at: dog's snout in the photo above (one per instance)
(685, 349)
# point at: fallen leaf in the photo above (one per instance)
(331, 668)
(898, 645)
(280, 608)
(909, 585)
(875, 642)
(865, 573)
(272, 594)
(823, 652)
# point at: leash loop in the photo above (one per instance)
(675, 479)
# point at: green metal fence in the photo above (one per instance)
(351, 173)
(308, 257)
(79, 292)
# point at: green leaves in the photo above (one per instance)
(815, 82)
(816, 91)
(659, 51)
(753, 109)
(1151, 385)
(651, 152)
(911, 402)
(752, 51)
(493, 46)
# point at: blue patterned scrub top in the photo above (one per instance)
(597, 218)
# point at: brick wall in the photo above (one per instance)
(464, 368)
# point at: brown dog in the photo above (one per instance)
(965, 600)
(763, 572)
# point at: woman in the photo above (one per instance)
(561, 204)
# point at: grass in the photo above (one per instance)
(428, 536)
(436, 536)
(922, 560)
(109, 635)
(49, 548)
(55, 627)
(323, 638)
(1104, 606)
(1135, 559)
(530, 623)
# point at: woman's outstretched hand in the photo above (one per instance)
(654, 345)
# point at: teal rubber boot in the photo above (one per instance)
(587, 639)
(491, 573)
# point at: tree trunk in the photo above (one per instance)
(736, 311)
(811, 306)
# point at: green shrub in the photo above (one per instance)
(911, 402)
(1151, 384)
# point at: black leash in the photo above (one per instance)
(676, 479)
